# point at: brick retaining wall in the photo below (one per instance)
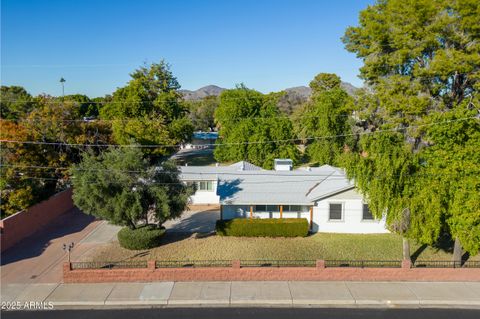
(236, 273)
(24, 223)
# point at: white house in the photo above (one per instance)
(323, 195)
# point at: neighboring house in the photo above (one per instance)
(323, 195)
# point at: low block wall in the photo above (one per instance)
(24, 223)
(236, 273)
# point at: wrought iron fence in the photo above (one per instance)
(471, 264)
(109, 264)
(192, 263)
(277, 263)
(364, 263)
(445, 264)
(274, 263)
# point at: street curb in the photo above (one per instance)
(458, 304)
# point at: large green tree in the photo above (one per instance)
(253, 129)
(202, 113)
(149, 110)
(86, 106)
(326, 114)
(32, 172)
(120, 186)
(422, 66)
(15, 102)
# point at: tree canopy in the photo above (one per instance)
(202, 113)
(325, 115)
(33, 172)
(15, 102)
(422, 65)
(252, 129)
(149, 110)
(119, 185)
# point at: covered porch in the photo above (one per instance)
(267, 211)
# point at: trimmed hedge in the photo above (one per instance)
(271, 227)
(145, 237)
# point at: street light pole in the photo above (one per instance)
(62, 80)
(68, 248)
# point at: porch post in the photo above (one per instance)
(251, 211)
(311, 217)
(281, 211)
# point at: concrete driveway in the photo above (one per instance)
(194, 221)
(39, 258)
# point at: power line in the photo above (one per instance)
(239, 143)
(254, 118)
(243, 173)
(268, 173)
(65, 65)
(185, 181)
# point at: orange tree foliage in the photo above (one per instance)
(33, 172)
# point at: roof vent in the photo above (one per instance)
(282, 164)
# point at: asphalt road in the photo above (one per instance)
(258, 313)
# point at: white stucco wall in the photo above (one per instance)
(206, 197)
(352, 216)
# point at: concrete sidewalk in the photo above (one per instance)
(226, 294)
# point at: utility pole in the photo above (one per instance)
(62, 80)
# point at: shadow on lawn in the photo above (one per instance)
(445, 243)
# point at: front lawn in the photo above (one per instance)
(318, 246)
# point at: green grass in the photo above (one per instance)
(318, 246)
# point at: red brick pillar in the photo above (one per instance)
(406, 264)
(236, 263)
(151, 264)
(67, 267)
(320, 264)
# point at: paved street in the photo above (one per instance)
(231, 294)
(242, 313)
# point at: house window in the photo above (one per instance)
(335, 212)
(261, 208)
(292, 208)
(205, 186)
(367, 214)
(273, 208)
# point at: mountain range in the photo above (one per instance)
(298, 92)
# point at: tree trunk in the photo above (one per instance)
(457, 252)
(406, 249)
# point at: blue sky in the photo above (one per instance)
(94, 44)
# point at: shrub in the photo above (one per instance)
(272, 227)
(140, 238)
